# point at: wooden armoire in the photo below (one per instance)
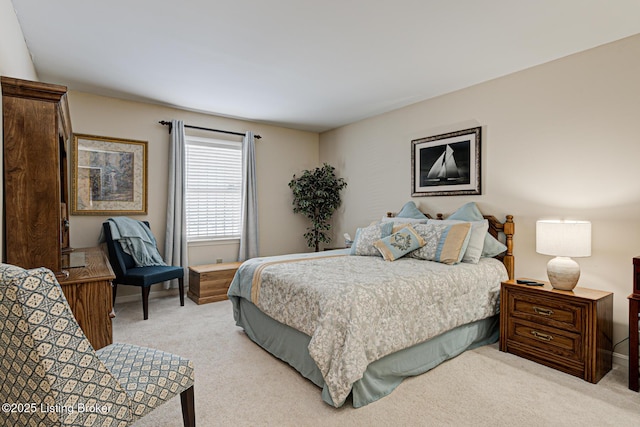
(37, 131)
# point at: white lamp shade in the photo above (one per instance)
(563, 238)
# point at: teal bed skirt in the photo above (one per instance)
(381, 376)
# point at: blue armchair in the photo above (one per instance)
(128, 274)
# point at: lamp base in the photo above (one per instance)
(563, 273)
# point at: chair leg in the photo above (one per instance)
(181, 289)
(145, 301)
(188, 408)
(115, 289)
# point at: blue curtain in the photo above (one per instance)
(175, 243)
(249, 217)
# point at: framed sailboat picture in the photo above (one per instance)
(447, 164)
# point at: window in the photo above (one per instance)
(213, 188)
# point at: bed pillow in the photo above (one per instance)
(492, 246)
(470, 212)
(444, 243)
(476, 238)
(410, 210)
(467, 212)
(367, 236)
(403, 220)
(399, 243)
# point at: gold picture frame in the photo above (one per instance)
(109, 176)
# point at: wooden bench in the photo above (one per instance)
(210, 282)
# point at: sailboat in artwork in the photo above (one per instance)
(445, 168)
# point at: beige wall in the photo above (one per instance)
(280, 153)
(559, 141)
(15, 60)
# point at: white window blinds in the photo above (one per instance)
(213, 188)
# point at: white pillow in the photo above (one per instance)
(476, 240)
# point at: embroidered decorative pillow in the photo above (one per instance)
(470, 212)
(399, 244)
(367, 236)
(476, 238)
(444, 243)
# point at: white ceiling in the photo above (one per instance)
(305, 64)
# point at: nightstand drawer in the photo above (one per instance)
(547, 311)
(564, 344)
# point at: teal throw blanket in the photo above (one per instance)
(136, 240)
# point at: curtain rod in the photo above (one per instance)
(165, 123)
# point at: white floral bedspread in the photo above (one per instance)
(359, 309)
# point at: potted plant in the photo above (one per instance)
(316, 195)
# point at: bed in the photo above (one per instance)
(357, 325)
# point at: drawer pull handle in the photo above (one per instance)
(543, 337)
(543, 311)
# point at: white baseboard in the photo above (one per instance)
(621, 360)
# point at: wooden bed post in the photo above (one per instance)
(509, 260)
(508, 228)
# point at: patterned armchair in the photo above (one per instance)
(51, 376)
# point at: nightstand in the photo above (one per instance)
(634, 311)
(570, 331)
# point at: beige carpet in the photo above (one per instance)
(239, 384)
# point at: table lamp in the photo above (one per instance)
(563, 239)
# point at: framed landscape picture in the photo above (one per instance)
(447, 164)
(109, 176)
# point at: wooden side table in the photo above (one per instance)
(634, 310)
(88, 291)
(570, 331)
(210, 282)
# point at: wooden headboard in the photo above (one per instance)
(495, 229)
